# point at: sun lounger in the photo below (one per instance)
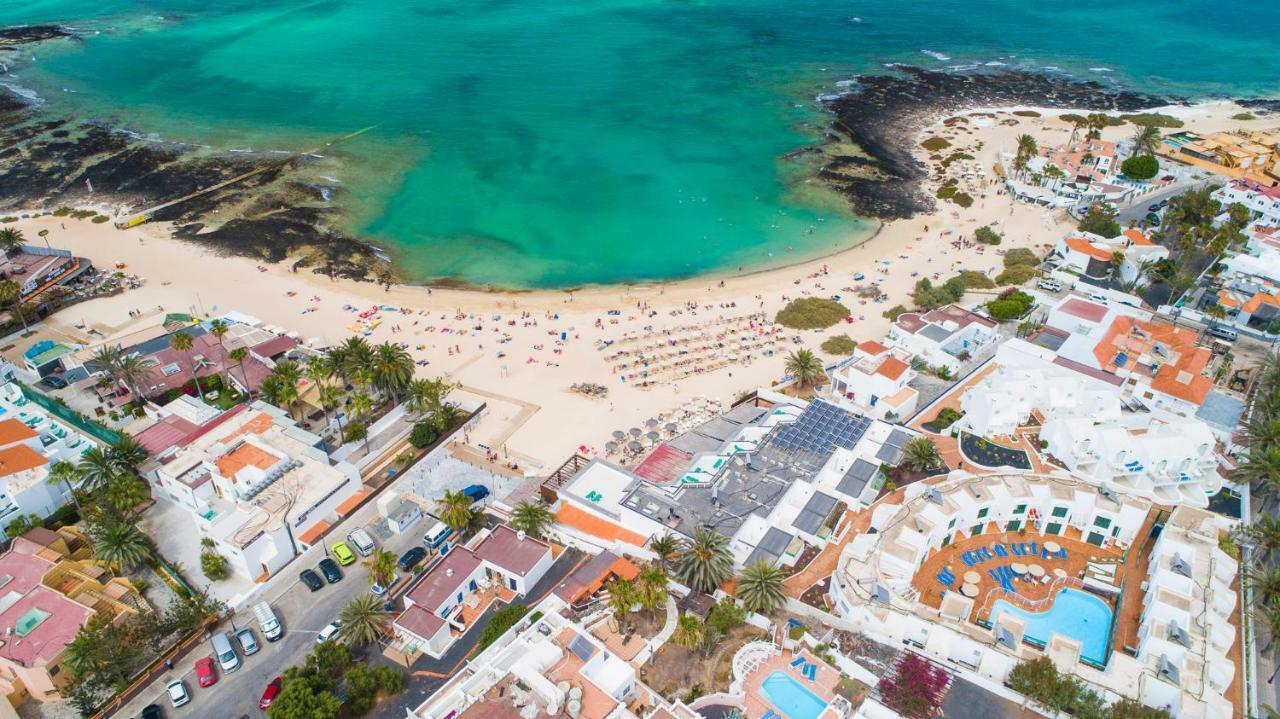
(1017, 550)
(1034, 549)
(987, 553)
(968, 561)
(798, 662)
(811, 671)
(1001, 551)
(1062, 553)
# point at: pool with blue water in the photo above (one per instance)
(1074, 614)
(788, 696)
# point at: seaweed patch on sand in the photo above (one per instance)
(883, 114)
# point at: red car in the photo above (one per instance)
(269, 695)
(205, 675)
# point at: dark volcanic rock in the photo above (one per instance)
(27, 34)
(884, 115)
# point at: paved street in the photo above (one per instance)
(303, 614)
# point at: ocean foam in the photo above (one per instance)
(936, 55)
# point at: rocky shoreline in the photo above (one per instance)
(48, 162)
(883, 115)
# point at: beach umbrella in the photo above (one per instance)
(651, 423)
(619, 435)
(636, 431)
(634, 446)
(670, 427)
(611, 447)
(653, 436)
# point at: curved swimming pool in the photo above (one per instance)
(790, 697)
(1074, 614)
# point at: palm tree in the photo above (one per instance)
(1146, 138)
(126, 454)
(760, 587)
(532, 518)
(353, 355)
(120, 544)
(359, 405)
(666, 547)
(124, 493)
(63, 472)
(131, 372)
(920, 454)
(1096, 121)
(330, 396)
(382, 567)
(1027, 149)
(11, 292)
(317, 370)
(218, 329)
(96, 468)
(10, 239)
(651, 587)
(1270, 618)
(363, 619)
(182, 342)
(1077, 124)
(455, 510)
(1265, 583)
(705, 562)
(688, 632)
(392, 369)
(806, 367)
(1264, 533)
(427, 398)
(238, 355)
(285, 386)
(622, 599)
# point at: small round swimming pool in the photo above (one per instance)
(1074, 614)
(790, 697)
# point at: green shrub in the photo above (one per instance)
(1100, 220)
(811, 313)
(1016, 275)
(502, 620)
(933, 144)
(423, 434)
(1142, 167)
(8, 218)
(955, 157)
(928, 296)
(839, 345)
(22, 525)
(975, 280)
(1157, 119)
(962, 199)
(893, 312)
(99, 219)
(62, 211)
(987, 236)
(1026, 113)
(1020, 256)
(63, 516)
(1010, 305)
(213, 565)
(1243, 116)
(946, 192)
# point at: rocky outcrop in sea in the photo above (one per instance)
(48, 162)
(883, 116)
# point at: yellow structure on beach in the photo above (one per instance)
(1249, 155)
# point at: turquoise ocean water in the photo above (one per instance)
(544, 143)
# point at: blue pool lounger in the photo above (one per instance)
(798, 662)
(1001, 551)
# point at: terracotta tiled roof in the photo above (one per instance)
(19, 458)
(11, 430)
(580, 519)
(872, 347)
(1083, 246)
(1226, 300)
(419, 622)
(314, 533)
(1260, 299)
(1181, 362)
(244, 456)
(892, 367)
(1136, 237)
(350, 503)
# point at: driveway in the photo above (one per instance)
(450, 474)
(171, 525)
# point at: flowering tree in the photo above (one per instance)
(915, 689)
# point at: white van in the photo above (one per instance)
(226, 654)
(361, 540)
(437, 535)
(267, 621)
(1225, 333)
(1099, 298)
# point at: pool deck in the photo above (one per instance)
(823, 685)
(1079, 553)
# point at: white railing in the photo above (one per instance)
(1030, 605)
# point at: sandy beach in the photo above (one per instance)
(522, 351)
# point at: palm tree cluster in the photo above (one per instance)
(10, 239)
(648, 590)
(106, 487)
(1260, 468)
(1027, 149)
(123, 369)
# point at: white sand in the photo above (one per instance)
(532, 409)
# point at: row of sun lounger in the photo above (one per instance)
(999, 551)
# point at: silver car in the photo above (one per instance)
(248, 642)
(177, 692)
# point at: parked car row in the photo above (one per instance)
(224, 651)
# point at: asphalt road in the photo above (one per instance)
(303, 613)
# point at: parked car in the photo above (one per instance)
(343, 554)
(329, 569)
(411, 558)
(1152, 218)
(1224, 333)
(151, 711)
(1155, 208)
(226, 654)
(205, 676)
(177, 691)
(311, 579)
(380, 590)
(361, 540)
(269, 694)
(248, 642)
(476, 492)
(267, 621)
(329, 633)
(436, 535)
(53, 381)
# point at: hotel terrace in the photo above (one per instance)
(984, 572)
(1249, 155)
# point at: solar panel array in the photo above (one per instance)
(821, 428)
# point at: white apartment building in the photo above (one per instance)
(877, 382)
(1263, 203)
(944, 337)
(260, 487)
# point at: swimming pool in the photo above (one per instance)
(789, 697)
(1074, 614)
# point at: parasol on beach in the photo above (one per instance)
(670, 427)
(653, 436)
(611, 447)
(651, 423)
(636, 431)
(619, 435)
(634, 446)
